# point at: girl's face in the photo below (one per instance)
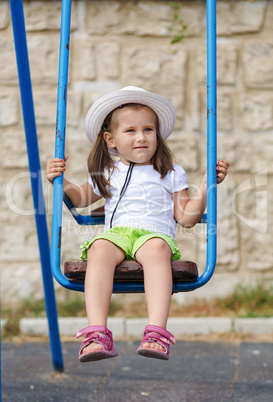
(134, 134)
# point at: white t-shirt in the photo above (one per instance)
(147, 202)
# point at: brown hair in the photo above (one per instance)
(100, 159)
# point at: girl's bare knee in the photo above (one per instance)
(155, 248)
(158, 245)
(99, 245)
(102, 248)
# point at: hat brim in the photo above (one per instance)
(97, 113)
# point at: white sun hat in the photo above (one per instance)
(97, 113)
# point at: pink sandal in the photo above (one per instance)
(98, 334)
(153, 333)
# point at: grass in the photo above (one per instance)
(243, 302)
(250, 302)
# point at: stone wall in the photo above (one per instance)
(119, 43)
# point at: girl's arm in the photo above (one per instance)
(188, 211)
(80, 196)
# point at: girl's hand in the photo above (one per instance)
(55, 168)
(222, 169)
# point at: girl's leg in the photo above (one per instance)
(103, 257)
(155, 257)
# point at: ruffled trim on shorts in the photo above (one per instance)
(85, 247)
(176, 254)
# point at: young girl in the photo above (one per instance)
(146, 194)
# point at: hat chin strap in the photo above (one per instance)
(124, 187)
(122, 191)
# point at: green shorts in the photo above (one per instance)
(130, 240)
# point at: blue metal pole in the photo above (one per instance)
(56, 237)
(211, 136)
(211, 153)
(18, 23)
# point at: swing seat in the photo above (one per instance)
(132, 271)
(128, 272)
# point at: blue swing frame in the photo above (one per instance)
(89, 220)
